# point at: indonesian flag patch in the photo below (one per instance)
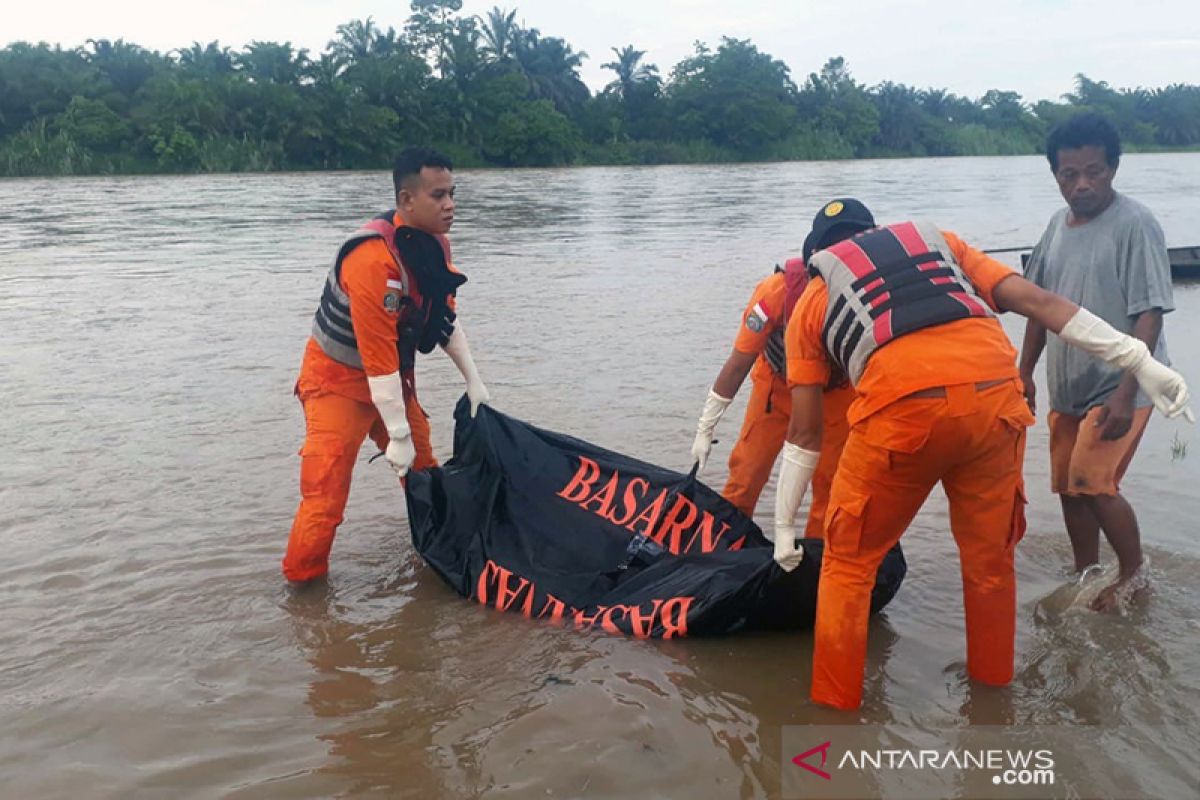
(393, 298)
(757, 319)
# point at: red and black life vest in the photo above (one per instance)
(888, 282)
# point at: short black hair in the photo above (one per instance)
(412, 160)
(1081, 130)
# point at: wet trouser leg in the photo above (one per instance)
(872, 501)
(763, 432)
(335, 427)
(974, 441)
(833, 439)
(987, 516)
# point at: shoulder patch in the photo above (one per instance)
(391, 301)
(757, 319)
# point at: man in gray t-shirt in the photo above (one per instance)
(1107, 253)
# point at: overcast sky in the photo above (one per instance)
(1034, 47)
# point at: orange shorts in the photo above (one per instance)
(1081, 463)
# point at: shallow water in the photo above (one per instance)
(148, 646)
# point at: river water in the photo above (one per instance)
(148, 644)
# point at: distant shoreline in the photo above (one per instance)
(385, 166)
(490, 91)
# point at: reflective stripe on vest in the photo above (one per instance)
(774, 352)
(885, 283)
(332, 327)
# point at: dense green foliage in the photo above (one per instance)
(488, 91)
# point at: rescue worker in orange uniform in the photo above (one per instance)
(390, 293)
(758, 350)
(908, 313)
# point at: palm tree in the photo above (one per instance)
(325, 71)
(463, 56)
(127, 66)
(630, 73)
(461, 65)
(209, 60)
(936, 102)
(387, 43)
(1175, 111)
(500, 34)
(551, 69)
(429, 28)
(355, 40)
(1003, 106)
(271, 62)
(901, 118)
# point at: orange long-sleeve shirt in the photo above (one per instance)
(762, 317)
(965, 351)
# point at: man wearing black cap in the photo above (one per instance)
(908, 314)
(758, 350)
(836, 221)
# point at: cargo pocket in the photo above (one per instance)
(1016, 414)
(844, 524)
(320, 464)
(1016, 421)
(899, 434)
(1016, 528)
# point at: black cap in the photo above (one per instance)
(835, 216)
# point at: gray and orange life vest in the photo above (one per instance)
(425, 319)
(885, 283)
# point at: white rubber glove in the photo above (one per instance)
(795, 474)
(710, 415)
(1165, 387)
(387, 393)
(460, 354)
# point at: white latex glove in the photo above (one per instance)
(387, 393)
(460, 353)
(710, 415)
(1164, 386)
(795, 474)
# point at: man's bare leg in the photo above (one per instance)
(1083, 528)
(1120, 526)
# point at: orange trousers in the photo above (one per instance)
(973, 441)
(763, 433)
(335, 427)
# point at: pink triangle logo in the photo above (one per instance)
(802, 760)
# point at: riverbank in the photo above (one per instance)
(48, 158)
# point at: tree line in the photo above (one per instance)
(492, 91)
